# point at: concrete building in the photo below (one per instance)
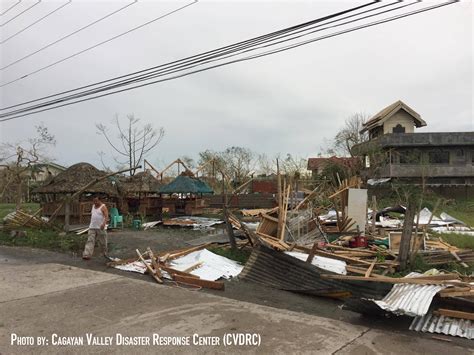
(395, 150)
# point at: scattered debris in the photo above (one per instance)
(194, 266)
(195, 222)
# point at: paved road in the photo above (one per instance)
(56, 301)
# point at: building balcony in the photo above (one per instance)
(433, 170)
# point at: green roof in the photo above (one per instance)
(186, 184)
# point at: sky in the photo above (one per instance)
(291, 102)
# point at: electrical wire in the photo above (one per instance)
(37, 21)
(95, 91)
(22, 12)
(281, 49)
(96, 45)
(235, 46)
(11, 7)
(219, 57)
(243, 50)
(70, 34)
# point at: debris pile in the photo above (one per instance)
(20, 218)
(196, 266)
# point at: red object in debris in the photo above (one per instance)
(358, 242)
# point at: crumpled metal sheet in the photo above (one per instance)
(409, 299)
(432, 323)
(210, 266)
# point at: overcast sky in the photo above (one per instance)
(284, 103)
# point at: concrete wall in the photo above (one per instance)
(402, 118)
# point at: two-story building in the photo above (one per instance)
(394, 150)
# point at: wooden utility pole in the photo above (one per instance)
(230, 230)
(405, 242)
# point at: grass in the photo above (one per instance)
(45, 239)
(237, 255)
(458, 240)
(6, 208)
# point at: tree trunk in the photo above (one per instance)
(67, 213)
(405, 241)
(19, 192)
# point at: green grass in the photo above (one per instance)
(45, 239)
(238, 255)
(458, 240)
(6, 208)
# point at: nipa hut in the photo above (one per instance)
(184, 195)
(70, 181)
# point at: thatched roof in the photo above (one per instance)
(186, 184)
(75, 178)
(142, 182)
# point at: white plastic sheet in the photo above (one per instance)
(333, 265)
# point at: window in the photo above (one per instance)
(398, 129)
(410, 157)
(439, 157)
(406, 157)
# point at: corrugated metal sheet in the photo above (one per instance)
(431, 323)
(278, 270)
(409, 299)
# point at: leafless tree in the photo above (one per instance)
(349, 135)
(18, 159)
(133, 142)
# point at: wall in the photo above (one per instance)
(401, 117)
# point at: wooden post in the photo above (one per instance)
(67, 213)
(230, 230)
(374, 213)
(405, 241)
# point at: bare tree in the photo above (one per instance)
(265, 165)
(134, 141)
(294, 166)
(19, 158)
(349, 135)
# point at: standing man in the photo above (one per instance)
(99, 217)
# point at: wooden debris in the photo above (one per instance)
(214, 285)
(149, 268)
(454, 314)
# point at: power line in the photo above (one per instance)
(11, 7)
(37, 21)
(277, 50)
(187, 64)
(96, 45)
(154, 75)
(70, 34)
(26, 10)
(224, 50)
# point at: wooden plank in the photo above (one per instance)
(371, 267)
(341, 257)
(149, 268)
(177, 254)
(214, 285)
(458, 294)
(453, 253)
(173, 272)
(360, 270)
(404, 280)
(454, 314)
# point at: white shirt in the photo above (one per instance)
(97, 217)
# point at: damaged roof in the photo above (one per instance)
(389, 111)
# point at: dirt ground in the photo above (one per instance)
(122, 244)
